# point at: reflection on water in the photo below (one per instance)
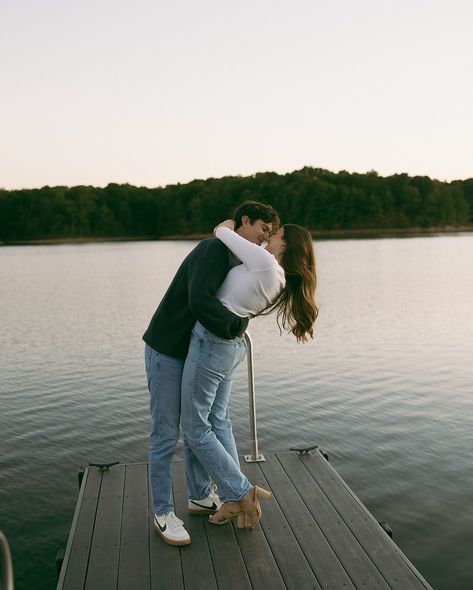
(385, 387)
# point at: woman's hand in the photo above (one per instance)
(227, 223)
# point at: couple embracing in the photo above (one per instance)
(194, 343)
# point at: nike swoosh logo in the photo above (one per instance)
(161, 528)
(213, 507)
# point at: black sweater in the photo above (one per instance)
(192, 296)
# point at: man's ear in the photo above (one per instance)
(245, 220)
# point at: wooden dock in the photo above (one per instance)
(314, 533)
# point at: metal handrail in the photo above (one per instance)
(6, 565)
(255, 456)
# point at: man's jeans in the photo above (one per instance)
(164, 383)
(206, 386)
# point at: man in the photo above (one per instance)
(191, 297)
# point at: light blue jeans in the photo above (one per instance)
(164, 383)
(206, 385)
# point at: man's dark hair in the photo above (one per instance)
(255, 210)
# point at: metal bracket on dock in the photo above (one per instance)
(386, 528)
(80, 476)
(101, 466)
(104, 466)
(259, 458)
(324, 454)
(256, 456)
(59, 561)
(307, 450)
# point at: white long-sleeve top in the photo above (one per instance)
(253, 285)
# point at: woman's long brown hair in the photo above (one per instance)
(296, 307)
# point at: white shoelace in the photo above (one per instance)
(173, 521)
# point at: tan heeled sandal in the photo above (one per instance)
(249, 513)
(251, 506)
(224, 516)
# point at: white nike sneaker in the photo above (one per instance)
(171, 529)
(208, 505)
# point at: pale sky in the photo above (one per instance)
(155, 92)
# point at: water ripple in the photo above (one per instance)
(385, 386)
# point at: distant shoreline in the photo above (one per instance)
(336, 234)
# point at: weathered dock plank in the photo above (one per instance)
(284, 545)
(307, 530)
(165, 561)
(197, 567)
(383, 552)
(134, 568)
(102, 572)
(76, 557)
(315, 534)
(260, 562)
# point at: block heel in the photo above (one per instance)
(247, 511)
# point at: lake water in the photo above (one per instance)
(385, 387)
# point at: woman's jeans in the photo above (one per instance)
(164, 383)
(206, 386)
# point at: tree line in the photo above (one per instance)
(313, 197)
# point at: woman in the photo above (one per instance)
(279, 278)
